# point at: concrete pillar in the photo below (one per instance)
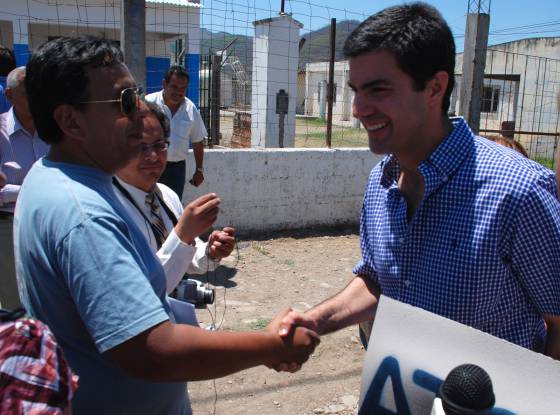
(474, 61)
(133, 37)
(275, 64)
(21, 41)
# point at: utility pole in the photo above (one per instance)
(133, 37)
(474, 61)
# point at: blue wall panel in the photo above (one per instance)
(22, 53)
(192, 63)
(155, 71)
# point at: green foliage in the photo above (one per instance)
(545, 161)
(258, 324)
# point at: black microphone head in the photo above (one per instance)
(467, 389)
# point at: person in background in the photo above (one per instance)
(20, 147)
(509, 143)
(7, 64)
(448, 224)
(159, 213)
(187, 128)
(88, 272)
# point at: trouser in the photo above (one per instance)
(174, 176)
(9, 297)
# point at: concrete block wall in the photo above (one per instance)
(280, 189)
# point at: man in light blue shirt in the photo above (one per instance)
(87, 271)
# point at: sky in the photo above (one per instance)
(509, 19)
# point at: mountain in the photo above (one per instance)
(315, 49)
(317, 43)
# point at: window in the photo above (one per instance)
(490, 99)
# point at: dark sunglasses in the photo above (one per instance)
(158, 147)
(129, 100)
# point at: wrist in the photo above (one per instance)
(199, 170)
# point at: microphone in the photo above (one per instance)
(467, 390)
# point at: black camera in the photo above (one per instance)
(195, 292)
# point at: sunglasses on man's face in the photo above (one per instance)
(129, 100)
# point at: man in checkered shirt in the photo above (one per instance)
(451, 222)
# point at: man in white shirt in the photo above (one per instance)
(177, 244)
(20, 147)
(186, 127)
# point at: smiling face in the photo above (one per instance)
(111, 138)
(174, 90)
(386, 103)
(144, 170)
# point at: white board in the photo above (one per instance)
(411, 351)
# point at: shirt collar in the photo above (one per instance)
(442, 163)
(138, 195)
(13, 125)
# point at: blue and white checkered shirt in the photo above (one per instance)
(483, 247)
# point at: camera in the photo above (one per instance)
(195, 292)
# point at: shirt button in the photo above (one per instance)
(406, 283)
(401, 240)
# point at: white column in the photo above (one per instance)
(275, 63)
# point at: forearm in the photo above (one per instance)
(175, 352)
(200, 263)
(198, 151)
(175, 257)
(357, 302)
(552, 347)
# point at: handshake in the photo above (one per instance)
(298, 334)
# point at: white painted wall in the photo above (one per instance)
(277, 189)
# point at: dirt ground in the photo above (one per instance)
(262, 279)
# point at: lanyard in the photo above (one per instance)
(166, 208)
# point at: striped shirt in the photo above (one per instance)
(483, 247)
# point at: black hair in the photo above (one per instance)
(176, 70)
(7, 61)
(417, 36)
(161, 117)
(56, 75)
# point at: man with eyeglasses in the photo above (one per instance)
(87, 271)
(158, 212)
(186, 127)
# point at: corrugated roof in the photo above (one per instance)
(184, 3)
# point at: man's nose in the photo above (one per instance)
(360, 107)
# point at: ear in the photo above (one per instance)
(9, 93)
(70, 121)
(436, 88)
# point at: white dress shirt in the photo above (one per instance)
(18, 151)
(175, 256)
(186, 125)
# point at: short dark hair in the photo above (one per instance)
(7, 60)
(161, 117)
(176, 70)
(417, 36)
(56, 75)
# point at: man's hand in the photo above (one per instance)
(197, 179)
(3, 180)
(298, 345)
(286, 326)
(221, 243)
(197, 217)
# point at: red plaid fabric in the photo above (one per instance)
(34, 376)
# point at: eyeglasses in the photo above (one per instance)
(159, 147)
(129, 100)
